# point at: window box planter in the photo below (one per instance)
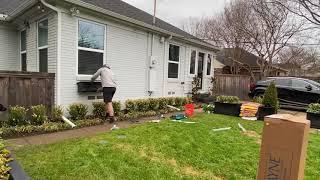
(265, 111)
(314, 119)
(16, 172)
(227, 109)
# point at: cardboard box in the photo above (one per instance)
(283, 148)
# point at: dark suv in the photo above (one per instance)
(292, 92)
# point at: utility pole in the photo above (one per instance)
(154, 12)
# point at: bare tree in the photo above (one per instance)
(308, 9)
(257, 26)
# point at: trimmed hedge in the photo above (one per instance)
(155, 104)
(45, 128)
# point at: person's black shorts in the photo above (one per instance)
(108, 93)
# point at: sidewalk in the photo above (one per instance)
(74, 133)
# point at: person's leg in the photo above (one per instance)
(110, 109)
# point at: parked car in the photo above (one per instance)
(293, 92)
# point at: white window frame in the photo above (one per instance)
(22, 52)
(207, 64)
(195, 64)
(86, 76)
(42, 47)
(174, 62)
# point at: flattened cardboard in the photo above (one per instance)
(283, 148)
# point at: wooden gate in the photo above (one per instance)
(26, 89)
(233, 85)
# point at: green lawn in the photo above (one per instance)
(168, 150)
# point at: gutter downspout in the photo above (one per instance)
(59, 14)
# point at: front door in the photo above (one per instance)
(200, 69)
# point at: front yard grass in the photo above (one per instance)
(168, 150)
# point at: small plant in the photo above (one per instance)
(208, 108)
(314, 108)
(154, 104)
(78, 111)
(57, 113)
(4, 160)
(270, 98)
(116, 107)
(131, 106)
(17, 116)
(258, 99)
(99, 110)
(195, 88)
(39, 115)
(228, 99)
(143, 105)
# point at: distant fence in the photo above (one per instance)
(26, 88)
(233, 85)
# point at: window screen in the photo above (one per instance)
(43, 60)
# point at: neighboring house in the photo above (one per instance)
(230, 61)
(73, 38)
(305, 70)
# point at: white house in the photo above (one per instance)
(73, 38)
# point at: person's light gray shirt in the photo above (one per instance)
(107, 77)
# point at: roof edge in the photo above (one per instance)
(139, 23)
(22, 7)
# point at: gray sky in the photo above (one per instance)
(175, 11)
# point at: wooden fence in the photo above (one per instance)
(233, 85)
(26, 88)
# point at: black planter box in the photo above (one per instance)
(84, 87)
(227, 109)
(16, 172)
(265, 111)
(314, 119)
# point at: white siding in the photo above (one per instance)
(52, 42)
(127, 53)
(9, 48)
(32, 63)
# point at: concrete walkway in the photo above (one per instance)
(75, 133)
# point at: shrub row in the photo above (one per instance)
(228, 99)
(45, 128)
(155, 104)
(18, 115)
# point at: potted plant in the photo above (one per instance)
(270, 103)
(313, 114)
(228, 105)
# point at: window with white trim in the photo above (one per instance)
(174, 58)
(23, 50)
(43, 45)
(91, 46)
(193, 62)
(209, 64)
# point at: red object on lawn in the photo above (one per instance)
(189, 110)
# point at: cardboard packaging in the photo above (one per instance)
(283, 148)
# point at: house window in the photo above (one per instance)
(193, 62)
(209, 62)
(43, 45)
(23, 50)
(173, 70)
(91, 42)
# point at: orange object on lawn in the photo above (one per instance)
(189, 110)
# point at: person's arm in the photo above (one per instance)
(96, 75)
